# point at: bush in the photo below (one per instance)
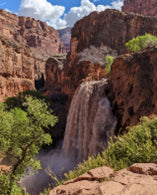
(109, 61)
(21, 137)
(139, 145)
(141, 42)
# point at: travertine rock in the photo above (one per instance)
(143, 7)
(134, 78)
(16, 68)
(122, 182)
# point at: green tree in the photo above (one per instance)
(141, 42)
(21, 137)
(109, 61)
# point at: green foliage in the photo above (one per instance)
(21, 137)
(109, 61)
(141, 42)
(139, 145)
(18, 101)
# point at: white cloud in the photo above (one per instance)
(42, 10)
(86, 8)
(117, 4)
(52, 14)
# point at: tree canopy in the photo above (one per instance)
(21, 137)
(141, 42)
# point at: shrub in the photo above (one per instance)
(139, 145)
(141, 42)
(109, 61)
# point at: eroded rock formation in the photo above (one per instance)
(143, 7)
(110, 29)
(43, 40)
(134, 78)
(137, 179)
(16, 68)
(65, 36)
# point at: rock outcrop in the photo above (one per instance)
(137, 179)
(16, 68)
(54, 74)
(143, 7)
(96, 32)
(43, 40)
(65, 36)
(133, 78)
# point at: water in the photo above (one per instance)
(90, 121)
(90, 124)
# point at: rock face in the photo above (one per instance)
(54, 74)
(43, 40)
(98, 31)
(16, 68)
(133, 78)
(143, 7)
(138, 179)
(65, 36)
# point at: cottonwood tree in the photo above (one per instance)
(141, 42)
(21, 137)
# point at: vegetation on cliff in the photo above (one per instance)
(139, 145)
(22, 136)
(109, 61)
(141, 42)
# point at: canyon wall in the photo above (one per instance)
(65, 36)
(109, 29)
(43, 40)
(143, 7)
(16, 68)
(134, 89)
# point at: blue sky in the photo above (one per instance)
(58, 13)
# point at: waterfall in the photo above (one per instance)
(90, 121)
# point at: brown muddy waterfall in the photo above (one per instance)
(90, 123)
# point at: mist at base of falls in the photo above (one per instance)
(54, 160)
(90, 124)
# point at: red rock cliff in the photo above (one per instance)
(107, 31)
(143, 7)
(16, 68)
(134, 78)
(43, 40)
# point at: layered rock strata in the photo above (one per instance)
(16, 68)
(43, 40)
(65, 36)
(143, 7)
